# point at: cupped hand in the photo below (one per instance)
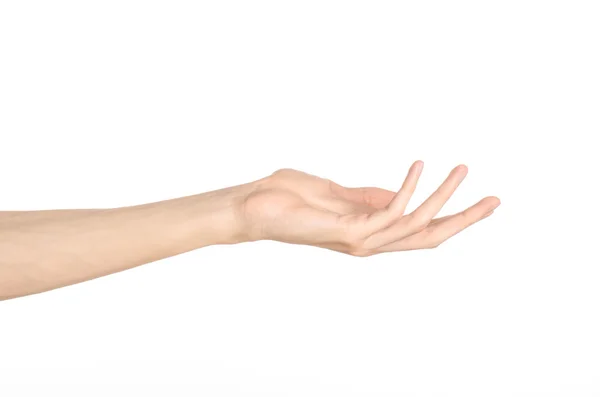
(295, 207)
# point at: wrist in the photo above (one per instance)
(223, 217)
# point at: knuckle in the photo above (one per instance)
(435, 243)
(282, 172)
(431, 241)
(466, 217)
(419, 223)
(427, 246)
(354, 243)
(366, 197)
(361, 253)
(431, 232)
(281, 177)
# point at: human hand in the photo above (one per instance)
(298, 208)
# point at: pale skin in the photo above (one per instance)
(44, 250)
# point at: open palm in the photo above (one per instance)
(295, 207)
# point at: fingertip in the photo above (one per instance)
(459, 173)
(494, 202)
(415, 169)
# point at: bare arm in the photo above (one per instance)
(43, 250)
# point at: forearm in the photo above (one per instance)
(42, 250)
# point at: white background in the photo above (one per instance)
(115, 103)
